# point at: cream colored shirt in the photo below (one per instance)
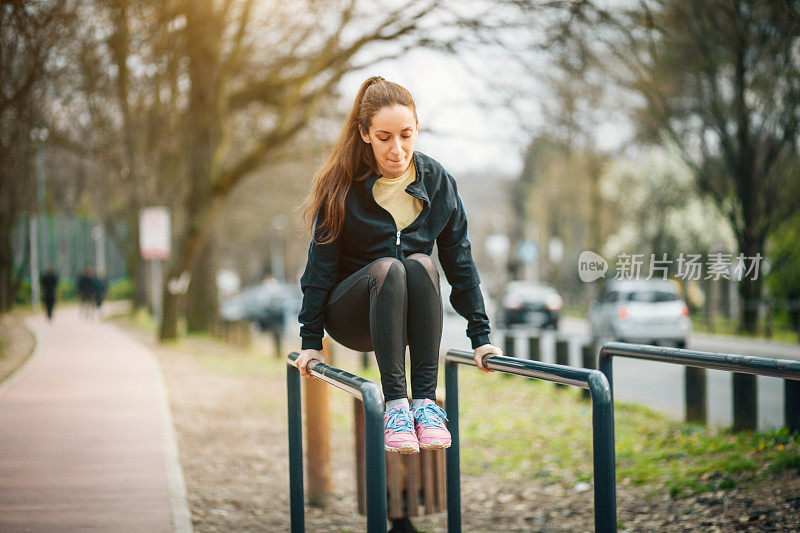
(390, 194)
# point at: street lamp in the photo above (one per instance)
(38, 135)
(98, 235)
(279, 224)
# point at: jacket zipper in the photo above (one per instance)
(397, 239)
(424, 202)
(397, 243)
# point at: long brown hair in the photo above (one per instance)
(351, 158)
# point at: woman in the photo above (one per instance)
(378, 207)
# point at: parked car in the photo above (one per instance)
(643, 311)
(530, 302)
(266, 304)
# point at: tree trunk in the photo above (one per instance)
(203, 136)
(120, 46)
(710, 287)
(201, 300)
(794, 314)
(134, 263)
(188, 249)
(750, 285)
(169, 315)
(137, 273)
(6, 269)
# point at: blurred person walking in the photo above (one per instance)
(49, 282)
(98, 291)
(86, 292)
(378, 207)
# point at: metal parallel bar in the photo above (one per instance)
(744, 367)
(604, 457)
(341, 379)
(603, 453)
(453, 452)
(375, 457)
(296, 495)
(576, 377)
(372, 399)
(743, 364)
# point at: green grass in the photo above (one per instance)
(573, 311)
(250, 365)
(26, 309)
(722, 326)
(524, 430)
(143, 320)
(730, 326)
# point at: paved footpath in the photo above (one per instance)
(86, 438)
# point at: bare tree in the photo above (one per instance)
(281, 61)
(721, 78)
(717, 77)
(186, 99)
(558, 94)
(29, 34)
(118, 108)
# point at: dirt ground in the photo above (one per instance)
(231, 426)
(16, 344)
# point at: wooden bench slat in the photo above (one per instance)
(394, 477)
(427, 481)
(439, 475)
(413, 484)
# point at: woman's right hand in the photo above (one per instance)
(305, 357)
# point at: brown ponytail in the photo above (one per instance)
(351, 158)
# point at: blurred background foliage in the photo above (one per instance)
(648, 126)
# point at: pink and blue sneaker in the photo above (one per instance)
(432, 432)
(399, 435)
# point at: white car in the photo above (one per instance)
(641, 311)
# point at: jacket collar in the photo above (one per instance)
(417, 187)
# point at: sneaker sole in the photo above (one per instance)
(435, 445)
(404, 450)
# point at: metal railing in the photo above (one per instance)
(372, 398)
(743, 364)
(605, 499)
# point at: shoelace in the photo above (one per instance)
(399, 419)
(431, 415)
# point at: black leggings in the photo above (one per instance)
(385, 306)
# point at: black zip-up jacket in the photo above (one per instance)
(370, 232)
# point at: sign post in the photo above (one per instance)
(154, 245)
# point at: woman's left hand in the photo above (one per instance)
(483, 351)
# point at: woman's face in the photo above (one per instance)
(392, 135)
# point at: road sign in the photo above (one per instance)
(497, 246)
(154, 233)
(528, 251)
